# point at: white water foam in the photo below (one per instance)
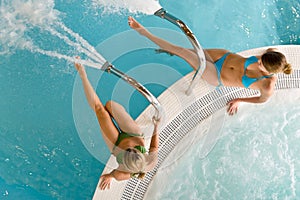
(20, 19)
(55, 54)
(133, 6)
(256, 158)
(17, 16)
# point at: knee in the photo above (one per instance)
(108, 105)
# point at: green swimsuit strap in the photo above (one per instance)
(124, 135)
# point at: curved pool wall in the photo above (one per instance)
(256, 157)
(41, 153)
(191, 123)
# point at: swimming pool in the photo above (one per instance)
(255, 157)
(42, 156)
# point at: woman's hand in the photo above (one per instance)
(105, 181)
(156, 122)
(79, 67)
(233, 106)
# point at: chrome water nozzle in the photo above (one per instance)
(106, 67)
(162, 13)
(109, 68)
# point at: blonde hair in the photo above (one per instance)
(134, 162)
(275, 62)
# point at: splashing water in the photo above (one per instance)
(20, 19)
(133, 6)
(18, 16)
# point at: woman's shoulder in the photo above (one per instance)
(151, 160)
(268, 83)
(265, 85)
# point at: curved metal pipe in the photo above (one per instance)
(107, 67)
(162, 13)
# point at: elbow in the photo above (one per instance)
(262, 99)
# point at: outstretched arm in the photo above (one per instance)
(89, 91)
(234, 104)
(265, 94)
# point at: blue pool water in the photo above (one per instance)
(255, 158)
(42, 155)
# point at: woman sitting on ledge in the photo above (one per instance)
(229, 69)
(125, 141)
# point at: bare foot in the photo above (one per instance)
(136, 25)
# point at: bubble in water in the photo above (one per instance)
(5, 193)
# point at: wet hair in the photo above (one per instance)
(275, 62)
(134, 162)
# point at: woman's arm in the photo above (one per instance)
(265, 93)
(116, 174)
(151, 159)
(90, 93)
(154, 139)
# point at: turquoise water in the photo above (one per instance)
(256, 157)
(42, 155)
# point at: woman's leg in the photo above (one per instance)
(109, 132)
(123, 119)
(188, 55)
(210, 74)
